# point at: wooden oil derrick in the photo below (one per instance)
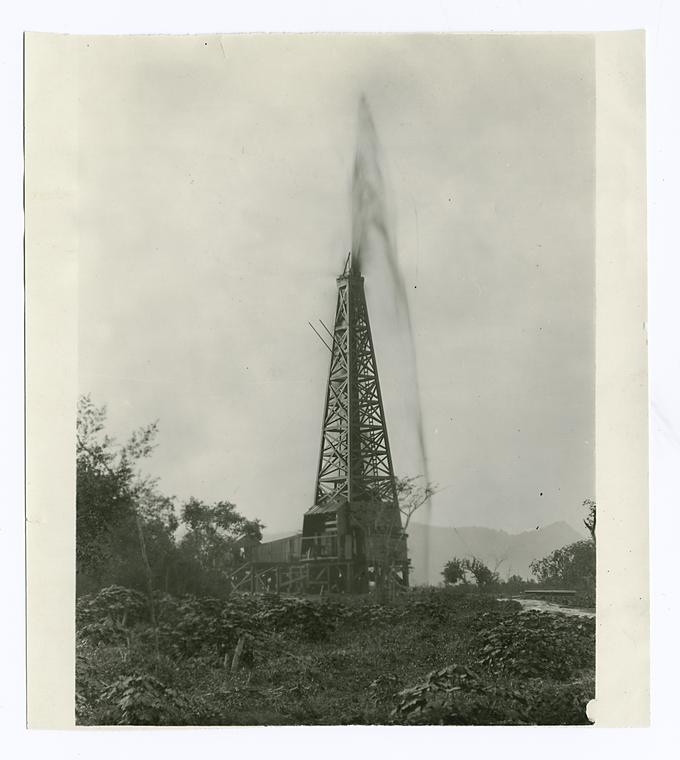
(353, 534)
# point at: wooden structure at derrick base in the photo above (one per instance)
(352, 535)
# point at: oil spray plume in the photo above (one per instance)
(374, 242)
(371, 230)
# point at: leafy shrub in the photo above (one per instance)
(117, 602)
(560, 704)
(532, 644)
(108, 616)
(305, 619)
(200, 627)
(456, 695)
(84, 709)
(331, 662)
(143, 700)
(430, 606)
(197, 627)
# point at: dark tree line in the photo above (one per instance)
(130, 534)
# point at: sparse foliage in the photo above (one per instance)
(411, 495)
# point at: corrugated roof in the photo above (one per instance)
(266, 538)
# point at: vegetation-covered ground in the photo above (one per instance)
(455, 655)
(434, 656)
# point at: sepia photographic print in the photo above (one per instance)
(333, 456)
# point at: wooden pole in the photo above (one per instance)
(237, 653)
(149, 582)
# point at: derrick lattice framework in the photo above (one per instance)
(352, 535)
(355, 464)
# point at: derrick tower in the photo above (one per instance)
(353, 534)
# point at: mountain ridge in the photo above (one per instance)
(431, 547)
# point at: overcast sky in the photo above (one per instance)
(215, 215)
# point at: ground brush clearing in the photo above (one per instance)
(431, 657)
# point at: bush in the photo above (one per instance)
(302, 618)
(457, 696)
(536, 644)
(121, 604)
(108, 616)
(201, 627)
(428, 606)
(143, 700)
(329, 662)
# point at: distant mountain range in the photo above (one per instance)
(431, 547)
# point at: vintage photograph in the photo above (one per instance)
(335, 441)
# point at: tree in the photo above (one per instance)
(206, 549)
(111, 497)
(411, 496)
(481, 573)
(214, 526)
(457, 569)
(125, 528)
(454, 571)
(572, 565)
(114, 503)
(590, 520)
